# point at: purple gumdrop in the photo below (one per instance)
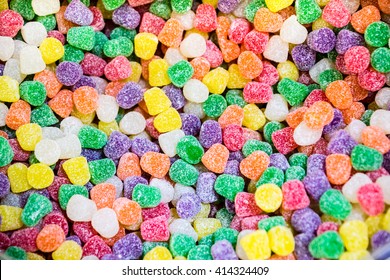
(117, 145)
(89, 186)
(316, 183)
(2, 66)
(213, 210)
(176, 96)
(74, 238)
(322, 40)
(140, 146)
(232, 167)
(190, 124)
(305, 220)
(130, 182)
(280, 161)
(230, 206)
(228, 6)
(84, 81)
(316, 162)
(301, 250)
(379, 239)
(223, 250)
(4, 185)
(126, 17)
(386, 161)
(91, 154)
(341, 143)
(237, 155)
(335, 124)
(128, 247)
(304, 57)
(347, 39)
(69, 73)
(130, 95)
(110, 257)
(210, 134)
(205, 187)
(78, 13)
(188, 206)
(13, 199)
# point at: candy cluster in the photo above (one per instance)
(180, 129)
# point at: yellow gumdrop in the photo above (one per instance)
(158, 73)
(108, 128)
(40, 176)
(84, 118)
(288, 69)
(252, 186)
(77, 170)
(3, 5)
(320, 23)
(281, 240)
(216, 80)
(236, 80)
(213, 3)
(145, 45)
(385, 223)
(354, 235)
(136, 72)
(206, 226)
(322, 3)
(256, 245)
(68, 250)
(10, 218)
(9, 89)
(28, 136)
(268, 197)
(156, 101)
(34, 257)
(167, 121)
(357, 255)
(253, 117)
(158, 253)
(373, 224)
(277, 5)
(204, 211)
(17, 176)
(180, 258)
(51, 50)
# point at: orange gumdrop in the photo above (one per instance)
(128, 212)
(230, 50)
(103, 195)
(49, 80)
(156, 164)
(358, 93)
(254, 165)
(113, 88)
(86, 99)
(63, 24)
(233, 114)
(294, 118)
(249, 65)
(171, 33)
(384, 6)
(50, 238)
(223, 26)
(18, 114)
(375, 137)
(282, 258)
(62, 103)
(201, 67)
(111, 241)
(363, 18)
(128, 166)
(339, 94)
(356, 111)
(318, 115)
(338, 168)
(267, 21)
(215, 158)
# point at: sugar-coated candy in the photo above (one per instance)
(327, 245)
(333, 203)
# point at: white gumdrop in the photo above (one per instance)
(168, 141)
(105, 222)
(186, 19)
(195, 91)
(107, 108)
(352, 186)
(132, 123)
(179, 191)
(80, 208)
(194, 109)
(381, 119)
(357, 214)
(355, 128)
(319, 67)
(384, 183)
(292, 31)
(276, 49)
(34, 33)
(101, 84)
(52, 133)
(71, 125)
(47, 151)
(3, 113)
(19, 45)
(194, 45)
(165, 187)
(114, 180)
(70, 146)
(305, 136)
(90, 258)
(45, 7)
(184, 227)
(382, 98)
(7, 47)
(276, 109)
(141, 135)
(31, 61)
(12, 69)
(173, 56)
(239, 250)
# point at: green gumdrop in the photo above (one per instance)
(161, 8)
(328, 76)
(207, 240)
(146, 196)
(364, 158)
(313, 87)
(268, 223)
(307, 11)
(120, 46)
(181, 6)
(334, 204)
(123, 32)
(37, 207)
(72, 54)
(251, 9)
(377, 34)
(294, 92)
(66, 191)
(92, 138)
(367, 117)
(380, 60)
(225, 233)
(44, 116)
(32, 159)
(295, 173)
(23, 7)
(183, 173)
(7, 154)
(33, 92)
(253, 145)
(214, 106)
(298, 159)
(15, 253)
(189, 149)
(101, 170)
(100, 41)
(234, 97)
(272, 175)
(229, 185)
(111, 5)
(328, 245)
(270, 128)
(200, 252)
(180, 244)
(82, 37)
(149, 245)
(49, 21)
(225, 217)
(180, 73)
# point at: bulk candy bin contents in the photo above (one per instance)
(194, 130)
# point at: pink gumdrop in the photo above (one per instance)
(160, 210)
(118, 69)
(336, 13)
(239, 28)
(205, 18)
(245, 205)
(84, 230)
(294, 195)
(213, 54)
(56, 218)
(327, 226)
(93, 65)
(269, 75)
(357, 59)
(283, 140)
(233, 137)
(151, 24)
(55, 186)
(255, 92)
(256, 41)
(314, 96)
(370, 197)
(252, 222)
(97, 247)
(371, 80)
(25, 239)
(155, 229)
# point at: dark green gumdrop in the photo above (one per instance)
(367, 117)
(120, 115)
(6, 154)
(183, 173)
(334, 204)
(66, 191)
(207, 240)
(377, 34)
(251, 9)
(44, 116)
(101, 170)
(23, 7)
(92, 138)
(295, 173)
(161, 8)
(149, 245)
(253, 145)
(364, 158)
(298, 159)
(270, 128)
(380, 60)
(234, 97)
(332, 55)
(225, 233)
(100, 41)
(146, 196)
(15, 253)
(200, 252)
(180, 73)
(117, 47)
(180, 244)
(294, 92)
(82, 37)
(33, 92)
(307, 11)
(312, 87)
(328, 76)
(189, 149)
(32, 159)
(268, 223)
(214, 106)
(72, 54)
(37, 207)
(328, 245)
(49, 21)
(123, 32)
(225, 217)
(228, 185)
(272, 175)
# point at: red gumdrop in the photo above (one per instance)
(93, 65)
(25, 239)
(155, 229)
(370, 197)
(374, 175)
(55, 186)
(371, 80)
(321, 147)
(60, 170)
(252, 222)
(56, 218)
(283, 140)
(97, 247)
(205, 18)
(336, 13)
(256, 41)
(294, 195)
(340, 65)
(213, 54)
(19, 153)
(10, 23)
(160, 210)
(327, 226)
(84, 230)
(255, 92)
(245, 205)
(57, 35)
(151, 24)
(236, 223)
(5, 241)
(238, 30)
(118, 69)
(150, 129)
(233, 137)
(357, 59)
(314, 96)
(98, 20)
(269, 75)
